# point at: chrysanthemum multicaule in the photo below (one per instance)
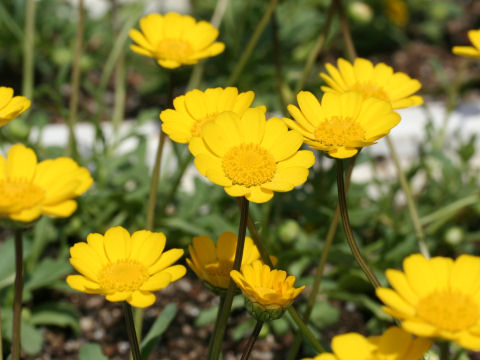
(123, 267)
(250, 156)
(377, 81)
(196, 108)
(11, 106)
(438, 297)
(174, 40)
(341, 123)
(213, 263)
(29, 189)
(470, 51)
(393, 344)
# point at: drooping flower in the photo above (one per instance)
(377, 81)
(341, 123)
(196, 108)
(394, 343)
(174, 40)
(470, 51)
(11, 106)
(436, 297)
(123, 267)
(29, 189)
(250, 156)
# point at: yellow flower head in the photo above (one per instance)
(123, 267)
(438, 297)
(196, 108)
(11, 106)
(174, 40)
(213, 263)
(342, 122)
(470, 51)
(250, 156)
(29, 189)
(377, 81)
(394, 343)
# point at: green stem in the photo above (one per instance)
(444, 350)
(342, 201)
(305, 330)
(347, 36)
(215, 327)
(277, 56)
(28, 50)
(132, 335)
(1, 337)
(252, 43)
(214, 351)
(251, 341)
(17, 299)
(449, 210)
(410, 200)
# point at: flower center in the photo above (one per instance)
(371, 90)
(447, 310)
(19, 194)
(124, 275)
(173, 49)
(339, 131)
(197, 127)
(249, 165)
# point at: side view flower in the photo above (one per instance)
(11, 106)
(123, 267)
(377, 81)
(250, 156)
(394, 343)
(341, 123)
(174, 40)
(196, 108)
(436, 297)
(29, 189)
(470, 51)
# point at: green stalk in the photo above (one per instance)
(17, 299)
(449, 210)
(277, 56)
(215, 326)
(215, 349)
(251, 341)
(347, 36)
(132, 335)
(28, 50)
(305, 330)
(262, 24)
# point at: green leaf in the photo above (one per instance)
(7, 265)
(31, 338)
(324, 314)
(46, 273)
(91, 351)
(58, 314)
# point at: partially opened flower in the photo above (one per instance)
(29, 189)
(394, 344)
(470, 51)
(11, 106)
(174, 40)
(377, 81)
(437, 297)
(123, 267)
(196, 108)
(250, 156)
(341, 123)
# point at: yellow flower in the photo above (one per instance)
(11, 106)
(438, 297)
(377, 81)
(470, 51)
(213, 263)
(196, 108)
(123, 267)
(397, 12)
(250, 156)
(29, 189)
(174, 40)
(342, 123)
(394, 343)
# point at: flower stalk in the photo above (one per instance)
(251, 341)
(132, 335)
(17, 300)
(28, 50)
(347, 36)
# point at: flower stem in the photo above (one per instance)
(277, 57)
(304, 329)
(252, 43)
(132, 335)
(342, 201)
(252, 340)
(17, 300)
(214, 351)
(347, 36)
(28, 50)
(215, 327)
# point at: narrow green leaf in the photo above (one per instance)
(91, 351)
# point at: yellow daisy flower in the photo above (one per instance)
(342, 122)
(377, 81)
(250, 156)
(438, 297)
(123, 267)
(174, 40)
(394, 343)
(29, 189)
(196, 108)
(470, 51)
(11, 106)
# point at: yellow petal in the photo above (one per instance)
(157, 281)
(141, 299)
(147, 246)
(117, 244)
(167, 259)
(63, 209)
(352, 346)
(21, 163)
(226, 246)
(6, 95)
